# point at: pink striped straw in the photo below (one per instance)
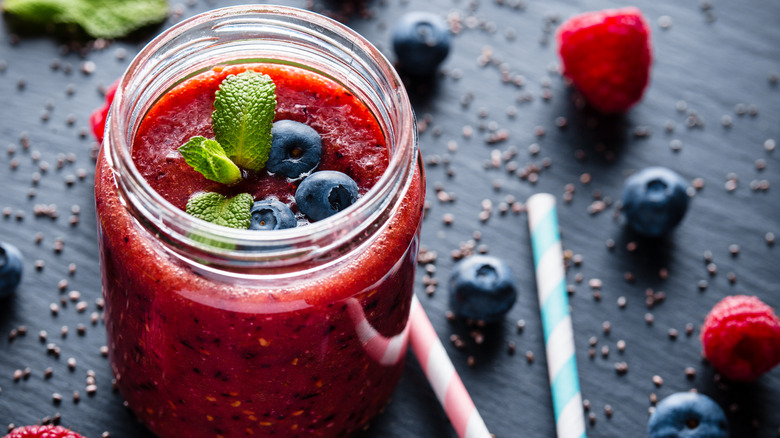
(442, 376)
(436, 365)
(386, 351)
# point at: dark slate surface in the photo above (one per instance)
(715, 59)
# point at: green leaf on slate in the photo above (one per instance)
(229, 212)
(207, 157)
(98, 18)
(243, 115)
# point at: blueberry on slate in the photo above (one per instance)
(654, 201)
(325, 193)
(11, 262)
(270, 214)
(482, 288)
(296, 148)
(687, 415)
(421, 41)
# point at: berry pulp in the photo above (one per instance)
(200, 355)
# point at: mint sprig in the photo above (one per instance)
(98, 18)
(243, 115)
(244, 110)
(212, 207)
(207, 157)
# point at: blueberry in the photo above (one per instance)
(11, 263)
(687, 415)
(325, 193)
(482, 288)
(654, 201)
(296, 148)
(270, 214)
(421, 41)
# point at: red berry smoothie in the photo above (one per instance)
(195, 355)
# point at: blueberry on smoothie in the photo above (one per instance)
(325, 193)
(296, 148)
(482, 288)
(421, 41)
(270, 214)
(688, 415)
(11, 264)
(654, 201)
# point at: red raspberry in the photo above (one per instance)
(42, 432)
(741, 337)
(607, 55)
(97, 120)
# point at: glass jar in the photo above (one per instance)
(219, 332)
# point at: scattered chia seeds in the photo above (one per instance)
(513, 161)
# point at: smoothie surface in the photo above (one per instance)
(352, 141)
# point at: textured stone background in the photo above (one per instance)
(711, 112)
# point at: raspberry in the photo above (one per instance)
(741, 337)
(607, 55)
(97, 120)
(42, 432)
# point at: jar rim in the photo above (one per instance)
(215, 243)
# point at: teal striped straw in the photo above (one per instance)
(556, 320)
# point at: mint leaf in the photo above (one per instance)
(229, 212)
(114, 19)
(207, 157)
(243, 115)
(98, 18)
